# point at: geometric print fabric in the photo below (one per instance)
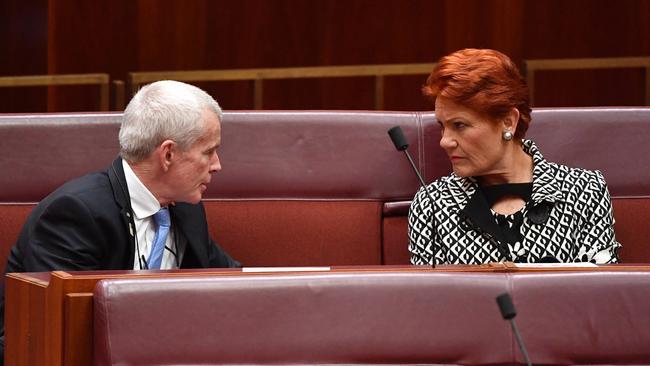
(569, 218)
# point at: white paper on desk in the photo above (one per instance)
(284, 269)
(555, 265)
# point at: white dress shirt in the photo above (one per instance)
(144, 205)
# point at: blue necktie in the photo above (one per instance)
(162, 221)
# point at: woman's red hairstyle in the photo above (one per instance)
(484, 80)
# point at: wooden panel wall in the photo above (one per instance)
(23, 51)
(118, 36)
(575, 29)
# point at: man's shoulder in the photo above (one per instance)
(93, 187)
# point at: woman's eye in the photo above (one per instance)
(459, 125)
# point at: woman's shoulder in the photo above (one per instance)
(577, 172)
(441, 187)
(444, 182)
(570, 176)
(573, 178)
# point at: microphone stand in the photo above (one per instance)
(508, 312)
(399, 140)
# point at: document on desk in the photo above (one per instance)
(284, 269)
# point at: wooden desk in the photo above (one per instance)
(49, 316)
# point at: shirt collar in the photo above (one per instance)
(545, 186)
(143, 202)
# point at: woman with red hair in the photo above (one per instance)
(503, 201)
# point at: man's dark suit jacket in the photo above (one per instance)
(84, 225)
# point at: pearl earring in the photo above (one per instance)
(507, 135)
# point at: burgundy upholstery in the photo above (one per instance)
(12, 217)
(323, 187)
(406, 318)
(43, 151)
(308, 187)
(40, 152)
(612, 140)
(326, 155)
(298, 232)
(632, 216)
(587, 318)
(297, 188)
(265, 155)
(583, 318)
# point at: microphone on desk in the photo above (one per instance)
(401, 144)
(508, 312)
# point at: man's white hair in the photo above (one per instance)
(164, 110)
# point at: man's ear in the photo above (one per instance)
(511, 120)
(166, 152)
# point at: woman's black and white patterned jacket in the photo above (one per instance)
(568, 218)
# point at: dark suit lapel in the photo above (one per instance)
(186, 219)
(123, 199)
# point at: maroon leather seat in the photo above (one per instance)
(581, 318)
(614, 141)
(323, 187)
(354, 318)
(297, 188)
(40, 152)
(584, 318)
(308, 187)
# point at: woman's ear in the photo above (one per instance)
(511, 120)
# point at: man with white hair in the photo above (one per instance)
(145, 211)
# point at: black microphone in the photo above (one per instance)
(399, 140)
(401, 144)
(508, 312)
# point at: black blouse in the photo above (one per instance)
(508, 226)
